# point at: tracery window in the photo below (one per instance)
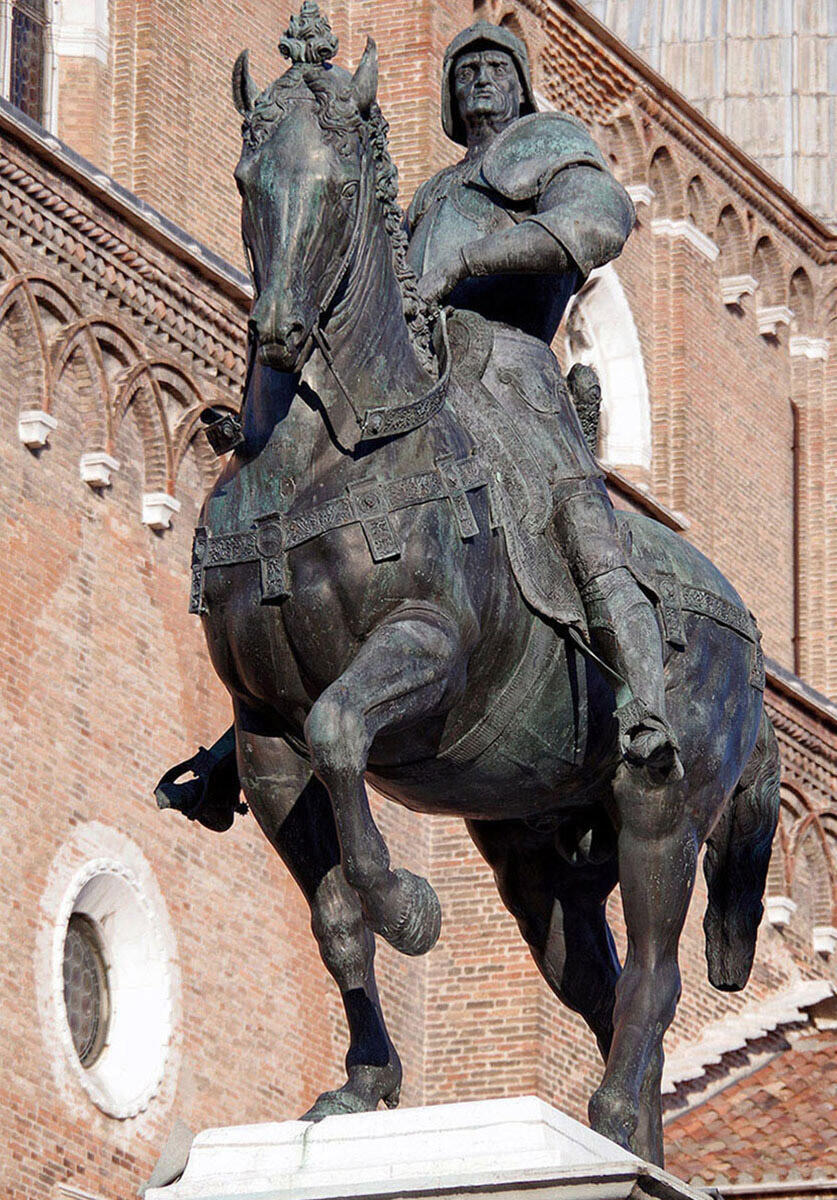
(25, 33)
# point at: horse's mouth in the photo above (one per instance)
(282, 357)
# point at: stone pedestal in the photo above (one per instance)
(519, 1149)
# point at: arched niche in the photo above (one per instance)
(601, 332)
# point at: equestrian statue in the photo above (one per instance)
(410, 574)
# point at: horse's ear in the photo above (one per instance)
(244, 87)
(365, 80)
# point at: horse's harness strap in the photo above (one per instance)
(708, 604)
(676, 597)
(369, 503)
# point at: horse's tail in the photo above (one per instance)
(737, 857)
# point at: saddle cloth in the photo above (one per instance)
(515, 403)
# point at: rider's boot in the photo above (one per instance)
(625, 634)
(623, 626)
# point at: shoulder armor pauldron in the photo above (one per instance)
(529, 152)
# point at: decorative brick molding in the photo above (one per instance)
(84, 292)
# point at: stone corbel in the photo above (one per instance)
(769, 319)
(779, 910)
(34, 426)
(666, 227)
(808, 347)
(640, 193)
(96, 468)
(735, 287)
(825, 939)
(158, 508)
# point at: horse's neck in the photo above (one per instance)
(373, 356)
(372, 359)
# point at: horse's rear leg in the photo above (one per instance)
(560, 911)
(658, 849)
(403, 672)
(293, 809)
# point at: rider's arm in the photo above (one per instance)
(582, 219)
(589, 214)
(526, 248)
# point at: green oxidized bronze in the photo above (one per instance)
(409, 572)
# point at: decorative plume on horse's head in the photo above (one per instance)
(309, 37)
(310, 44)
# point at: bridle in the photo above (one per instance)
(382, 421)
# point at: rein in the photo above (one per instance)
(384, 420)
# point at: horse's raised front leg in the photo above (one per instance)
(658, 850)
(404, 671)
(294, 810)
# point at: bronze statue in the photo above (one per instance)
(388, 575)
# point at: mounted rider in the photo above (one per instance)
(511, 232)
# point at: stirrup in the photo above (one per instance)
(212, 797)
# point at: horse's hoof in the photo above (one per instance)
(613, 1116)
(365, 1088)
(338, 1103)
(418, 920)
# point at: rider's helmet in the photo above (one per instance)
(478, 37)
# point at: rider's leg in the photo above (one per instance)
(623, 627)
(404, 672)
(294, 811)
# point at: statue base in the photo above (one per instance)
(517, 1149)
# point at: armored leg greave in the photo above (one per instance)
(623, 627)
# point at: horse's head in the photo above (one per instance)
(303, 175)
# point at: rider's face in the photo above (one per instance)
(486, 87)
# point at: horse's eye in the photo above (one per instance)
(349, 190)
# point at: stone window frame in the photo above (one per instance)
(74, 29)
(7, 8)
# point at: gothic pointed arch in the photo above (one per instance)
(19, 313)
(801, 302)
(813, 882)
(136, 391)
(698, 204)
(768, 273)
(732, 241)
(665, 181)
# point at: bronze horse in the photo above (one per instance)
(360, 607)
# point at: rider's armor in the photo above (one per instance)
(543, 172)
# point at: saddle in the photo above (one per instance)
(509, 394)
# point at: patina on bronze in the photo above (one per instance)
(389, 581)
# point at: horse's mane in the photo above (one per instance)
(309, 43)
